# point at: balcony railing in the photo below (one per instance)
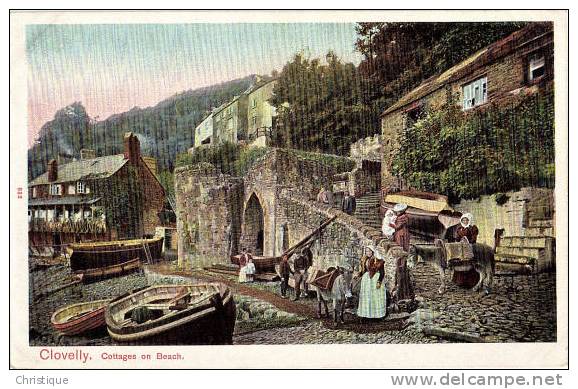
(82, 226)
(261, 131)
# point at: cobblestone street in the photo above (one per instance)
(526, 314)
(523, 311)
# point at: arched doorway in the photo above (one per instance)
(253, 226)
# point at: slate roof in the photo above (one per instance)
(86, 169)
(482, 58)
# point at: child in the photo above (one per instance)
(386, 228)
(250, 270)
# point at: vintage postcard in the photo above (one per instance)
(233, 189)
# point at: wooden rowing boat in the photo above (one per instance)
(262, 264)
(267, 264)
(173, 314)
(79, 318)
(109, 271)
(102, 254)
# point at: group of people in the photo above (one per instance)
(301, 266)
(372, 291)
(246, 266)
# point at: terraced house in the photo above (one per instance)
(96, 198)
(230, 120)
(517, 65)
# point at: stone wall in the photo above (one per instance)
(209, 208)
(511, 216)
(154, 198)
(367, 148)
(507, 80)
(278, 169)
(341, 242)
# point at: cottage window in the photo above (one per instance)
(253, 103)
(34, 192)
(536, 67)
(56, 190)
(80, 187)
(475, 93)
(254, 120)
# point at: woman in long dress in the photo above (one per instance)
(467, 233)
(403, 284)
(243, 261)
(372, 293)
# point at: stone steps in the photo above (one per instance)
(514, 259)
(531, 252)
(540, 232)
(541, 223)
(367, 210)
(526, 241)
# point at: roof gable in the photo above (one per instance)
(85, 169)
(483, 57)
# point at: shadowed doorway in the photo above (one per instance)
(253, 222)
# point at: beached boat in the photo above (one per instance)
(79, 318)
(95, 255)
(430, 215)
(109, 271)
(173, 314)
(262, 264)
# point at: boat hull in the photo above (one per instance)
(104, 254)
(109, 271)
(91, 320)
(262, 264)
(211, 321)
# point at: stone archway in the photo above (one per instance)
(253, 236)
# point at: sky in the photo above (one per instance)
(111, 68)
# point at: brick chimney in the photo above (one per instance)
(52, 170)
(131, 147)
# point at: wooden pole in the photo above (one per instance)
(290, 251)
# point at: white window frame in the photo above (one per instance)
(475, 93)
(536, 61)
(80, 187)
(56, 190)
(34, 192)
(253, 103)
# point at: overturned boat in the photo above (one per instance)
(262, 264)
(94, 255)
(173, 314)
(109, 271)
(78, 318)
(431, 216)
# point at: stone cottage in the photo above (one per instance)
(517, 64)
(96, 198)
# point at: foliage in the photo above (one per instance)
(399, 56)
(229, 158)
(321, 107)
(465, 155)
(167, 180)
(337, 162)
(163, 130)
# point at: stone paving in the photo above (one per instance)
(525, 312)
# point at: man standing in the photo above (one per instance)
(284, 271)
(348, 204)
(301, 264)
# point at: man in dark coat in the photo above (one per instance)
(284, 272)
(301, 265)
(348, 204)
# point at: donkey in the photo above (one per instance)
(483, 263)
(339, 293)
